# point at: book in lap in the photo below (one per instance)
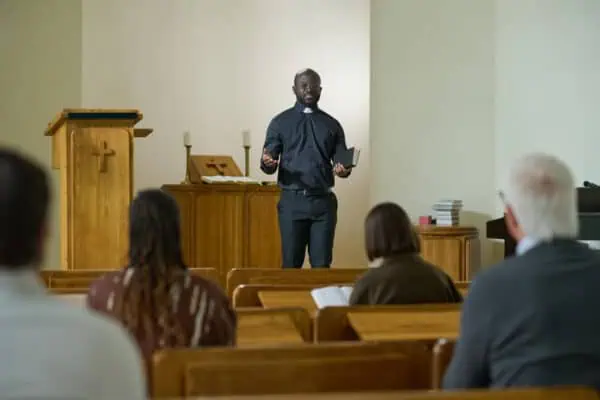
(348, 158)
(331, 296)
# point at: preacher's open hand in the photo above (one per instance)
(268, 160)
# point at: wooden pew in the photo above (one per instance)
(275, 296)
(463, 287)
(376, 323)
(273, 326)
(323, 277)
(83, 278)
(288, 369)
(442, 352)
(573, 393)
(418, 326)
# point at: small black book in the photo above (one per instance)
(348, 158)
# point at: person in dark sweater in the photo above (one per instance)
(303, 142)
(399, 274)
(532, 319)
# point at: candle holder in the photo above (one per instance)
(188, 154)
(247, 160)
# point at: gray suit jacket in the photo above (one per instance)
(532, 320)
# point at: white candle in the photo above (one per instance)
(246, 138)
(187, 140)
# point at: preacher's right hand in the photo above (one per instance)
(268, 161)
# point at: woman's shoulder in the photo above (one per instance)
(108, 282)
(200, 284)
(103, 289)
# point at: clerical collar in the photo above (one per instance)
(306, 109)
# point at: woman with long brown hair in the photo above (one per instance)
(156, 297)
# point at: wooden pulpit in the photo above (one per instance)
(93, 150)
(225, 224)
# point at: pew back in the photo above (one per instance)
(443, 350)
(574, 393)
(322, 277)
(273, 326)
(177, 372)
(319, 374)
(274, 296)
(376, 323)
(81, 279)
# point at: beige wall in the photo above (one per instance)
(548, 83)
(432, 103)
(458, 88)
(466, 86)
(40, 73)
(216, 67)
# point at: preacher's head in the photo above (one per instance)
(24, 201)
(541, 199)
(307, 87)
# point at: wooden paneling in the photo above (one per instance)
(218, 229)
(186, 212)
(454, 249)
(262, 218)
(100, 196)
(227, 226)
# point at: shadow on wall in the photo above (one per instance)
(492, 251)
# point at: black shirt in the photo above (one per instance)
(306, 144)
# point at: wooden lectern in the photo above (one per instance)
(227, 225)
(93, 149)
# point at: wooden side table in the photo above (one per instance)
(455, 249)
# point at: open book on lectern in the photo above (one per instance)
(331, 296)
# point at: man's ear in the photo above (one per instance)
(512, 224)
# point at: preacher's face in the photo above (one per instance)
(307, 89)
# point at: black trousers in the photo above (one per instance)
(307, 220)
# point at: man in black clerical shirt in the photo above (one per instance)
(303, 141)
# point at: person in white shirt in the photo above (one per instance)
(48, 347)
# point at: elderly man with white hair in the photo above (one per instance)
(533, 319)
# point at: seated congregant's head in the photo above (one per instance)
(541, 199)
(154, 233)
(389, 232)
(24, 201)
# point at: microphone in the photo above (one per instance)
(590, 185)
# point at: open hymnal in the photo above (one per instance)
(331, 296)
(229, 179)
(348, 158)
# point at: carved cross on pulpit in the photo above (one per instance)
(102, 154)
(219, 167)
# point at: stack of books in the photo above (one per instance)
(446, 212)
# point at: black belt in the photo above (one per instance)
(310, 192)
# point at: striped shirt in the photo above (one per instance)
(200, 308)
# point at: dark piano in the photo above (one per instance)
(588, 203)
